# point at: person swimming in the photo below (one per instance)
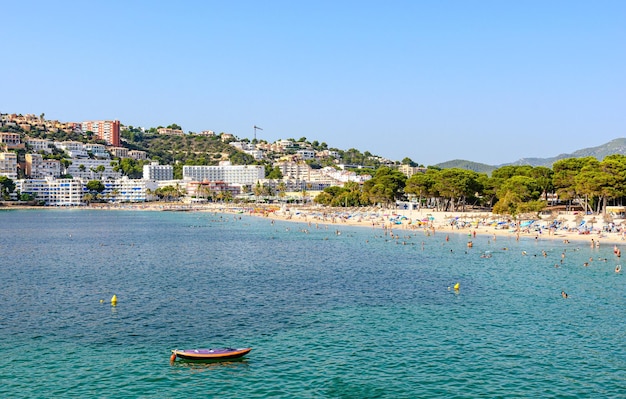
(564, 294)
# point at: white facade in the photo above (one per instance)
(154, 171)
(88, 171)
(54, 192)
(8, 165)
(344, 176)
(295, 170)
(306, 154)
(257, 154)
(98, 151)
(75, 149)
(240, 174)
(70, 192)
(127, 190)
(40, 145)
(39, 168)
(50, 167)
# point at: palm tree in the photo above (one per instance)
(258, 190)
(100, 169)
(282, 190)
(304, 194)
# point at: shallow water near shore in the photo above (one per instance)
(351, 315)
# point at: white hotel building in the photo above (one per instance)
(154, 171)
(85, 169)
(54, 192)
(70, 192)
(8, 165)
(127, 190)
(238, 174)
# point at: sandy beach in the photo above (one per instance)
(565, 227)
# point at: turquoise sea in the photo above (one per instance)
(351, 315)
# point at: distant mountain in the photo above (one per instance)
(617, 146)
(468, 165)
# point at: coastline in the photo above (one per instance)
(470, 224)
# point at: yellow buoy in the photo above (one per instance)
(114, 300)
(457, 286)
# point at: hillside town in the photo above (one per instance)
(64, 180)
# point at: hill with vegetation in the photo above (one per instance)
(467, 165)
(186, 149)
(617, 146)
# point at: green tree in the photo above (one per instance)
(564, 177)
(408, 161)
(282, 190)
(95, 186)
(615, 166)
(7, 186)
(421, 184)
(519, 194)
(273, 173)
(129, 167)
(456, 185)
(386, 186)
(100, 170)
(543, 177)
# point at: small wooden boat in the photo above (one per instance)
(209, 354)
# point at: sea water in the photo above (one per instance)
(331, 310)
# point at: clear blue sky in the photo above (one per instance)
(487, 81)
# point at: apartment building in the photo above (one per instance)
(39, 145)
(154, 171)
(127, 190)
(97, 150)
(294, 170)
(170, 132)
(199, 191)
(239, 174)
(75, 149)
(137, 155)
(109, 131)
(119, 152)
(54, 192)
(411, 170)
(87, 169)
(305, 154)
(38, 168)
(8, 165)
(11, 140)
(227, 137)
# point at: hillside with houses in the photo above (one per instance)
(53, 162)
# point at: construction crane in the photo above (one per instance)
(255, 129)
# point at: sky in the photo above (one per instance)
(485, 81)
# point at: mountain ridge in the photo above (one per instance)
(615, 146)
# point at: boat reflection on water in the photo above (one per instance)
(205, 365)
